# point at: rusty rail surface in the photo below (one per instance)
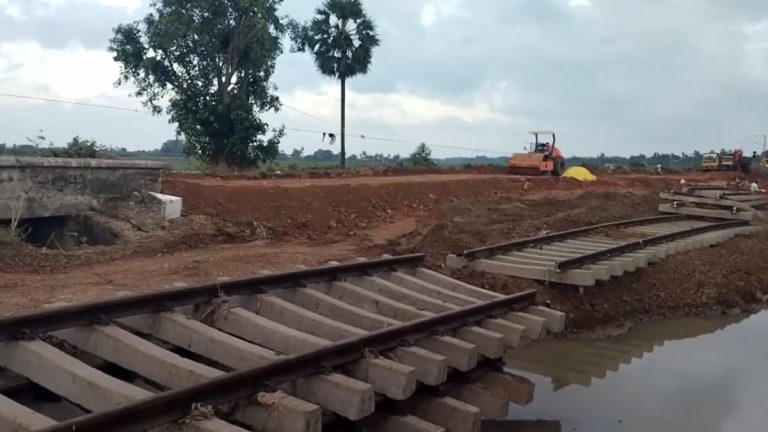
(175, 404)
(20, 326)
(538, 240)
(589, 258)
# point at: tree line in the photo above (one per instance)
(79, 147)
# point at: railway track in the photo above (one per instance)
(277, 352)
(586, 256)
(715, 202)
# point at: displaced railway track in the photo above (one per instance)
(275, 353)
(585, 256)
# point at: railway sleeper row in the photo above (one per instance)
(541, 261)
(190, 345)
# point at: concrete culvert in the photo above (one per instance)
(66, 232)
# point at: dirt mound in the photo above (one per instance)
(335, 209)
(470, 224)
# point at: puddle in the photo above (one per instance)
(692, 374)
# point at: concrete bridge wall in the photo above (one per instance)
(46, 187)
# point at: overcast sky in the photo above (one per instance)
(613, 76)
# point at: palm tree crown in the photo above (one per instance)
(342, 38)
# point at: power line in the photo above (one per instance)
(393, 140)
(66, 102)
(305, 113)
(350, 135)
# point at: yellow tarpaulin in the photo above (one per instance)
(580, 174)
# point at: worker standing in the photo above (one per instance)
(658, 169)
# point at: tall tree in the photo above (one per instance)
(341, 37)
(212, 61)
(422, 157)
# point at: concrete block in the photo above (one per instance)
(375, 303)
(534, 325)
(573, 277)
(15, 417)
(67, 376)
(82, 384)
(392, 379)
(451, 284)
(297, 318)
(459, 354)
(120, 347)
(344, 396)
(419, 286)
(89, 182)
(453, 415)
(431, 368)
(719, 214)
(488, 343)
(340, 311)
(267, 333)
(237, 354)
(279, 412)
(402, 295)
(201, 339)
(513, 333)
(554, 320)
(170, 206)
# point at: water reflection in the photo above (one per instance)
(580, 361)
(521, 426)
(709, 379)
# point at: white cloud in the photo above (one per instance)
(756, 49)
(12, 10)
(580, 3)
(435, 10)
(71, 73)
(49, 7)
(428, 15)
(397, 109)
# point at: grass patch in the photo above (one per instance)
(12, 234)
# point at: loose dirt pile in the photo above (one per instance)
(337, 209)
(470, 224)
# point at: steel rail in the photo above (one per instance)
(19, 326)
(488, 251)
(699, 199)
(581, 260)
(173, 405)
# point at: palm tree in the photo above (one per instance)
(341, 38)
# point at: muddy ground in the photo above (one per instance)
(235, 228)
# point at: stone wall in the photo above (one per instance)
(45, 187)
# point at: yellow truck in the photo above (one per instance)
(710, 162)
